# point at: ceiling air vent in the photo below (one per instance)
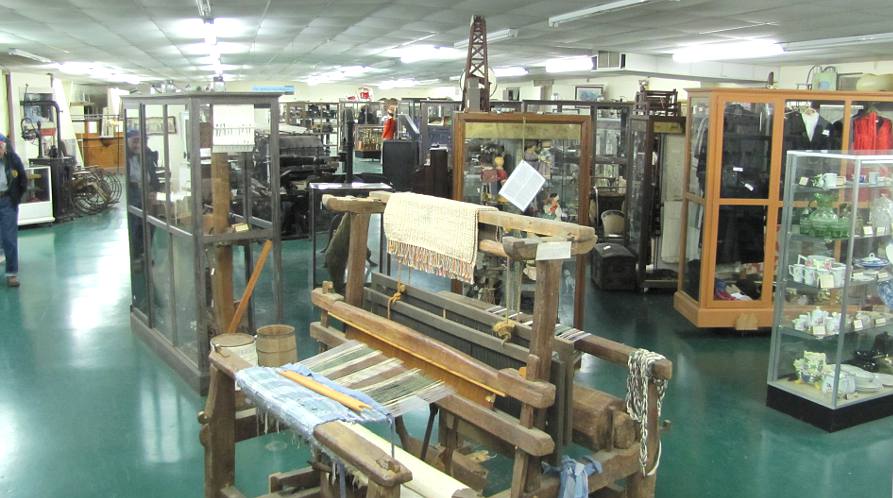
(610, 60)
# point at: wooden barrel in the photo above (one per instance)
(242, 345)
(276, 345)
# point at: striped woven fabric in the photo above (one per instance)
(434, 235)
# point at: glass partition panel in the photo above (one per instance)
(160, 264)
(694, 246)
(700, 127)
(746, 150)
(740, 247)
(180, 172)
(184, 276)
(138, 268)
(236, 184)
(133, 157)
(154, 158)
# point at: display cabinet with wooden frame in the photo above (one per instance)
(559, 147)
(736, 141)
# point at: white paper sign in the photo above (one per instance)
(867, 231)
(826, 281)
(522, 185)
(880, 322)
(858, 325)
(804, 181)
(882, 230)
(553, 250)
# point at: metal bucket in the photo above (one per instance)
(242, 345)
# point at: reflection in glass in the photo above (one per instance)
(180, 173)
(810, 125)
(700, 123)
(746, 150)
(154, 156)
(184, 287)
(138, 278)
(635, 183)
(159, 264)
(694, 237)
(740, 246)
(133, 158)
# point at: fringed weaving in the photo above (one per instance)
(434, 235)
(363, 373)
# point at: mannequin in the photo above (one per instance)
(389, 132)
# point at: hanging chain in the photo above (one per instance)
(641, 363)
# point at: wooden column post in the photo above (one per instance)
(219, 418)
(526, 471)
(356, 258)
(639, 485)
(222, 277)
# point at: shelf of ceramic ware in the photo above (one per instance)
(812, 289)
(802, 334)
(810, 391)
(829, 240)
(809, 189)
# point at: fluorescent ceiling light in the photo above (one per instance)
(569, 64)
(508, 72)
(752, 49)
(503, 34)
(596, 10)
(209, 31)
(838, 42)
(417, 53)
(28, 55)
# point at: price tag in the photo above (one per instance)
(859, 276)
(882, 230)
(883, 275)
(867, 231)
(826, 281)
(880, 322)
(818, 330)
(804, 181)
(858, 325)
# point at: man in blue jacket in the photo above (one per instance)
(13, 184)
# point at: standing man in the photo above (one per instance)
(13, 184)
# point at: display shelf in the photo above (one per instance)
(828, 240)
(860, 303)
(811, 392)
(735, 188)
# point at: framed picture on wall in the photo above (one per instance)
(589, 93)
(154, 126)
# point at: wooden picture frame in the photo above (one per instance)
(154, 125)
(589, 93)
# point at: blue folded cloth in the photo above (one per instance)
(574, 475)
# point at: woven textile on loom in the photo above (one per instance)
(363, 373)
(432, 234)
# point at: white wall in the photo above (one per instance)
(790, 76)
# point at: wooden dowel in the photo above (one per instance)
(352, 403)
(249, 289)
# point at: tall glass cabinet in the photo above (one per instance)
(737, 140)
(487, 147)
(831, 361)
(202, 176)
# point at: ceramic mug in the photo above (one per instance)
(839, 272)
(796, 271)
(816, 261)
(809, 276)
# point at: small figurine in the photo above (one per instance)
(501, 174)
(552, 208)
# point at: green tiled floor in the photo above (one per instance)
(86, 410)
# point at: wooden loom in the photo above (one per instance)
(528, 414)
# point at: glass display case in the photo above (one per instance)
(36, 205)
(654, 192)
(737, 141)
(831, 360)
(367, 141)
(318, 118)
(202, 188)
(488, 147)
(436, 126)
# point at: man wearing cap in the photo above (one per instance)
(13, 184)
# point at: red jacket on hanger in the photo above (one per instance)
(871, 132)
